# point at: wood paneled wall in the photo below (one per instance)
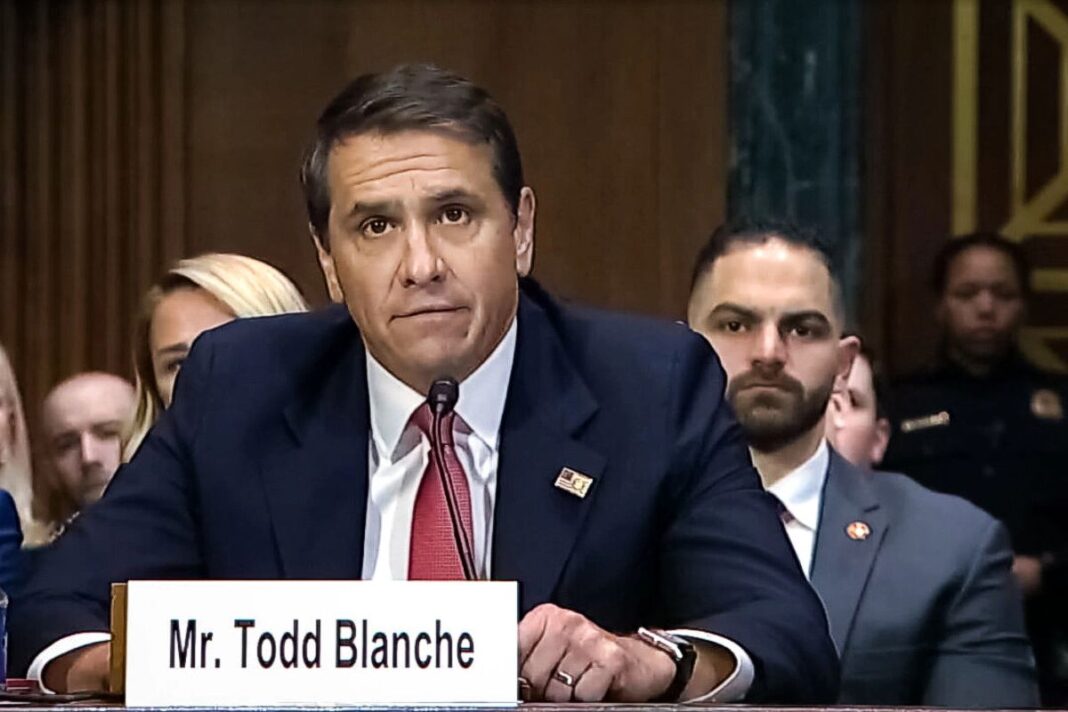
(135, 132)
(966, 131)
(92, 177)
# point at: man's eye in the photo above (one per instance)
(454, 215)
(802, 331)
(732, 325)
(375, 227)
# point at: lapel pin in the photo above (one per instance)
(858, 531)
(573, 482)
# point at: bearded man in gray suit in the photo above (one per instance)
(917, 585)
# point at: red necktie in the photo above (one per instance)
(433, 555)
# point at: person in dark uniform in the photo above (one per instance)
(985, 424)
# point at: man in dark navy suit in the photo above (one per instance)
(591, 456)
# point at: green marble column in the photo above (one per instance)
(795, 113)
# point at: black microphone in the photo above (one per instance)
(444, 392)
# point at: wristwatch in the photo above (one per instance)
(680, 650)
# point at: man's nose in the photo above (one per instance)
(768, 347)
(422, 264)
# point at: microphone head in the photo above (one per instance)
(444, 392)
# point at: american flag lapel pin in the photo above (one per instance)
(573, 482)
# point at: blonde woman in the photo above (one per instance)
(16, 473)
(197, 294)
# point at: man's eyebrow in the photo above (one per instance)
(805, 315)
(732, 308)
(451, 194)
(363, 207)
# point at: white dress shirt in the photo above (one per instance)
(397, 455)
(801, 492)
(399, 452)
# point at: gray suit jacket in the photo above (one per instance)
(923, 607)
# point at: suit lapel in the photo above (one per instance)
(536, 524)
(315, 474)
(842, 562)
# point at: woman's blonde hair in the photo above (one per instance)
(245, 286)
(16, 470)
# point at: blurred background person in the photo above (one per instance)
(857, 424)
(82, 421)
(196, 294)
(16, 470)
(984, 423)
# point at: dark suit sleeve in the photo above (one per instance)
(728, 567)
(984, 657)
(144, 523)
(11, 557)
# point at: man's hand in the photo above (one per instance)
(603, 666)
(83, 670)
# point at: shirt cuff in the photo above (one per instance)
(736, 686)
(62, 647)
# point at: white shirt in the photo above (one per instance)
(399, 453)
(801, 492)
(397, 456)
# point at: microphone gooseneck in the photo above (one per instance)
(442, 398)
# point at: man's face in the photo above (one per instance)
(83, 422)
(424, 250)
(982, 305)
(854, 427)
(768, 311)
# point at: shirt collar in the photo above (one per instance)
(800, 490)
(480, 407)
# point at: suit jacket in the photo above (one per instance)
(260, 470)
(12, 560)
(924, 609)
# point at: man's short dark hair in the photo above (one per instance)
(747, 232)
(410, 97)
(995, 241)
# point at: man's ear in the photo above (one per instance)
(881, 440)
(523, 233)
(848, 348)
(326, 264)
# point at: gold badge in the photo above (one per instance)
(858, 531)
(927, 421)
(1046, 404)
(573, 482)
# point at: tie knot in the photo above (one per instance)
(423, 419)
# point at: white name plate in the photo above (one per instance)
(303, 643)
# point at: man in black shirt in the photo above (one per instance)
(985, 424)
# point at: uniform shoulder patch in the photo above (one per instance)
(934, 420)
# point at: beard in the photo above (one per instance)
(778, 414)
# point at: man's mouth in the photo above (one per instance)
(430, 311)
